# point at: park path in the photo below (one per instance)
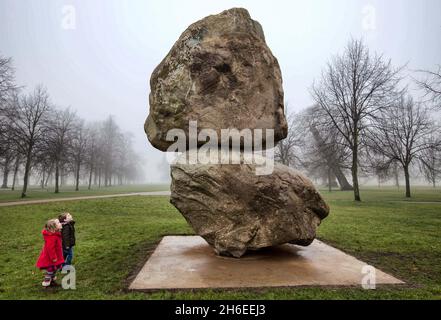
(420, 202)
(27, 202)
(150, 193)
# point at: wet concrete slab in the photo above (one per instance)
(188, 262)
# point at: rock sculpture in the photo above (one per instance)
(221, 74)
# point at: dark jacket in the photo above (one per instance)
(68, 234)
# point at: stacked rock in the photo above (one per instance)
(222, 74)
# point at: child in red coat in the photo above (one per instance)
(51, 257)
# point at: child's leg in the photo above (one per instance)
(68, 255)
(54, 275)
(48, 276)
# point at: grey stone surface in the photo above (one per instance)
(188, 262)
(221, 73)
(235, 210)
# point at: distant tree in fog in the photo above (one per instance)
(430, 159)
(287, 150)
(92, 152)
(8, 91)
(60, 131)
(380, 166)
(109, 133)
(43, 142)
(8, 152)
(79, 141)
(401, 134)
(7, 79)
(325, 151)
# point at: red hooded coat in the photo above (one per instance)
(52, 250)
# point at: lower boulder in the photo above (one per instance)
(235, 210)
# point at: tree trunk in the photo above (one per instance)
(27, 171)
(61, 175)
(354, 170)
(6, 172)
(78, 177)
(329, 180)
(43, 179)
(95, 176)
(57, 177)
(99, 178)
(90, 177)
(331, 160)
(14, 179)
(341, 178)
(49, 174)
(397, 180)
(406, 176)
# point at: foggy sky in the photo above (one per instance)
(103, 65)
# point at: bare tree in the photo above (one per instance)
(92, 151)
(430, 160)
(58, 141)
(7, 155)
(7, 79)
(401, 132)
(287, 150)
(7, 91)
(109, 131)
(43, 162)
(312, 146)
(353, 89)
(27, 124)
(46, 143)
(78, 149)
(380, 166)
(327, 149)
(16, 168)
(431, 85)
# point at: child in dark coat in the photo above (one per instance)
(51, 256)
(68, 235)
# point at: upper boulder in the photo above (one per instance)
(221, 74)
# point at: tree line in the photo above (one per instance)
(366, 121)
(55, 145)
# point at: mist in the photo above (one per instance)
(96, 57)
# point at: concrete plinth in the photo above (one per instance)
(188, 262)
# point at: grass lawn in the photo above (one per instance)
(116, 235)
(419, 194)
(36, 193)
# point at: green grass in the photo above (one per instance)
(116, 235)
(384, 194)
(37, 193)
